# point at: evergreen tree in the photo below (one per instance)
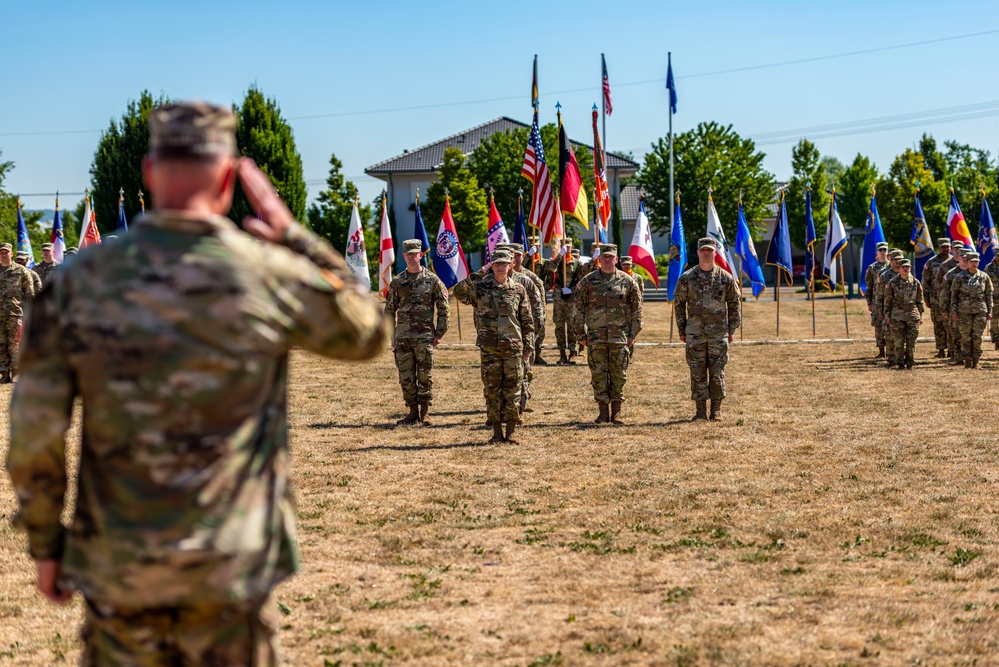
(469, 205)
(8, 204)
(497, 164)
(853, 191)
(896, 199)
(807, 167)
(329, 216)
(264, 135)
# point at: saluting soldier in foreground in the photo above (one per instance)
(608, 318)
(993, 272)
(971, 309)
(708, 313)
(16, 289)
(938, 318)
(870, 281)
(176, 338)
(505, 337)
(416, 303)
(904, 310)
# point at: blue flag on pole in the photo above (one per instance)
(873, 235)
(671, 85)
(23, 240)
(677, 253)
(986, 234)
(779, 250)
(920, 238)
(746, 251)
(420, 232)
(809, 241)
(519, 230)
(122, 222)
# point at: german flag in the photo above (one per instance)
(571, 190)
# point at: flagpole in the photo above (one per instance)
(742, 300)
(603, 106)
(842, 284)
(811, 275)
(669, 61)
(457, 309)
(777, 290)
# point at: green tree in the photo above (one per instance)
(853, 191)
(264, 135)
(896, 196)
(932, 158)
(8, 203)
(329, 216)
(807, 168)
(469, 205)
(117, 162)
(708, 156)
(968, 169)
(833, 167)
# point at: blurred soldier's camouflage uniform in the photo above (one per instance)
(16, 290)
(608, 317)
(45, 269)
(176, 337)
(410, 303)
(946, 286)
(22, 259)
(993, 272)
(562, 274)
(535, 268)
(707, 312)
(938, 317)
(904, 309)
(971, 301)
(881, 282)
(870, 282)
(505, 333)
(941, 295)
(533, 286)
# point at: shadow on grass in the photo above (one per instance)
(416, 448)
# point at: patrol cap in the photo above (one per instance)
(411, 245)
(515, 248)
(625, 259)
(896, 254)
(882, 246)
(6, 246)
(706, 242)
(575, 252)
(502, 256)
(972, 256)
(905, 264)
(47, 246)
(192, 129)
(22, 253)
(71, 250)
(956, 245)
(943, 241)
(608, 249)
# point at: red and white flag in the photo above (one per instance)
(723, 256)
(91, 235)
(641, 247)
(386, 258)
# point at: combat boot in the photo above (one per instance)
(604, 416)
(942, 354)
(967, 363)
(881, 352)
(974, 363)
(562, 359)
(538, 361)
(616, 412)
(715, 409)
(411, 418)
(572, 353)
(497, 432)
(424, 409)
(702, 411)
(5, 378)
(511, 428)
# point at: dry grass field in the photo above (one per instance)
(842, 514)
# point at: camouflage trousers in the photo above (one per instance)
(707, 359)
(502, 383)
(608, 371)
(539, 330)
(415, 360)
(994, 329)
(879, 331)
(565, 334)
(904, 335)
(953, 337)
(939, 328)
(969, 328)
(525, 384)
(235, 636)
(10, 327)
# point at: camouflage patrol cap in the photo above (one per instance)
(22, 253)
(515, 248)
(972, 256)
(608, 249)
(956, 245)
(411, 245)
(896, 254)
(71, 250)
(706, 242)
(6, 246)
(904, 264)
(575, 252)
(943, 241)
(47, 246)
(502, 256)
(192, 129)
(625, 259)
(882, 246)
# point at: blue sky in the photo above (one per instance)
(70, 67)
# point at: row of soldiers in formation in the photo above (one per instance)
(957, 292)
(597, 307)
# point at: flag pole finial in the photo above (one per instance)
(417, 196)
(447, 193)
(121, 194)
(57, 200)
(740, 195)
(710, 191)
(492, 192)
(520, 192)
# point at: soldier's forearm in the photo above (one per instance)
(304, 242)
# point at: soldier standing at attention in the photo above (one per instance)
(884, 277)
(505, 336)
(707, 316)
(971, 308)
(929, 292)
(539, 331)
(411, 301)
(626, 263)
(176, 338)
(22, 258)
(607, 321)
(941, 292)
(904, 308)
(16, 290)
(993, 272)
(946, 287)
(48, 264)
(535, 294)
(870, 280)
(562, 274)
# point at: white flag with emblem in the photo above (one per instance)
(356, 255)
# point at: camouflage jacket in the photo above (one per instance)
(176, 338)
(945, 284)
(929, 278)
(870, 280)
(971, 294)
(534, 296)
(903, 299)
(410, 303)
(640, 281)
(585, 269)
(938, 284)
(537, 282)
(608, 308)
(36, 281)
(993, 270)
(558, 274)
(16, 289)
(884, 276)
(503, 319)
(706, 304)
(44, 270)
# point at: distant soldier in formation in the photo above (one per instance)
(627, 264)
(607, 320)
(870, 280)
(536, 298)
(539, 332)
(993, 272)
(707, 308)
(904, 309)
(941, 295)
(938, 317)
(416, 303)
(16, 290)
(888, 273)
(22, 258)
(946, 289)
(505, 337)
(72, 250)
(971, 308)
(48, 264)
(561, 272)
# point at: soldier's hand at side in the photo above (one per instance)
(275, 218)
(731, 338)
(683, 339)
(48, 581)
(437, 341)
(585, 342)
(631, 342)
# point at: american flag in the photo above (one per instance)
(544, 212)
(608, 107)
